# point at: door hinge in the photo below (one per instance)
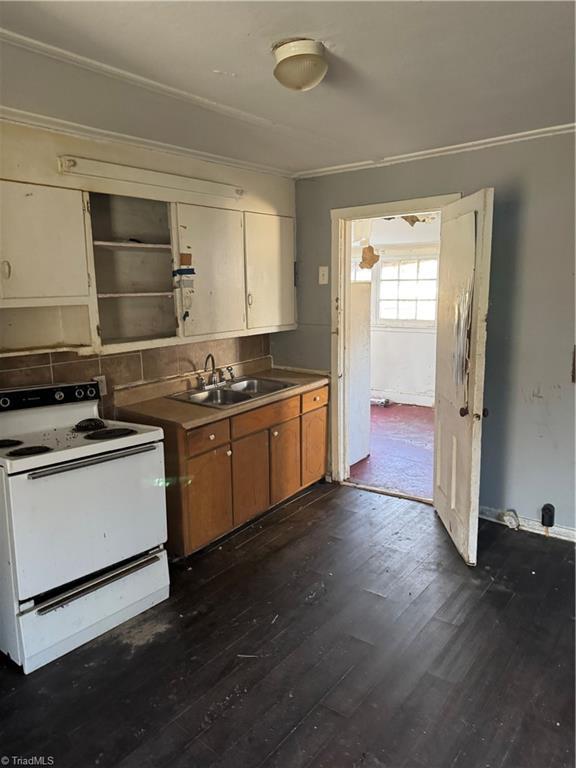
(295, 274)
(99, 331)
(89, 280)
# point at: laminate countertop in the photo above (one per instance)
(191, 415)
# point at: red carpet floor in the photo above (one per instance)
(401, 450)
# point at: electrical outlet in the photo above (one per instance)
(548, 515)
(323, 273)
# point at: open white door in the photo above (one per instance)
(359, 373)
(465, 245)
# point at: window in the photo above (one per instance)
(407, 290)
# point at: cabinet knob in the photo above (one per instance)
(316, 398)
(212, 437)
(250, 299)
(6, 270)
(275, 433)
(228, 453)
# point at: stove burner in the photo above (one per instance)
(29, 450)
(9, 443)
(89, 425)
(110, 434)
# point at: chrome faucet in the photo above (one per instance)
(213, 379)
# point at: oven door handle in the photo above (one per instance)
(90, 462)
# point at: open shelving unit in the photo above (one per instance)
(133, 266)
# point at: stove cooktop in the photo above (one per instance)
(29, 450)
(32, 450)
(9, 443)
(110, 434)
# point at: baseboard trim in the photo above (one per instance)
(528, 525)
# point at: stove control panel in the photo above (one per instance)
(34, 397)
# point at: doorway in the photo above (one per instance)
(461, 318)
(394, 278)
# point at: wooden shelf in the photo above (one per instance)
(144, 294)
(130, 246)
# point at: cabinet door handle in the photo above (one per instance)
(6, 270)
(212, 437)
(250, 299)
(228, 453)
(275, 433)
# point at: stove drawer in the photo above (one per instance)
(49, 630)
(71, 520)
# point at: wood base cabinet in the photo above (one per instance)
(208, 498)
(314, 445)
(251, 476)
(285, 471)
(231, 470)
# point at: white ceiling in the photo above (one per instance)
(403, 77)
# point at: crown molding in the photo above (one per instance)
(79, 131)
(53, 52)
(470, 146)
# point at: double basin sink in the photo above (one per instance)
(232, 393)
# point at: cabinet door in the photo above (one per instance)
(269, 270)
(284, 460)
(208, 497)
(251, 476)
(314, 434)
(42, 242)
(215, 298)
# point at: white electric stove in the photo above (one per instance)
(82, 521)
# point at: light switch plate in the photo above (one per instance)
(323, 273)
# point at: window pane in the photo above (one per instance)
(388, 271)
(426, 310)
(428, 268)
(408, 270)
(407, 289)
(406, 310)
(426, 289)
(389, 289)
(387, 310)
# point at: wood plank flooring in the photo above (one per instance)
(340, 631)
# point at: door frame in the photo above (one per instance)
(341, 263)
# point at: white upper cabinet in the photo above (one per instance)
(269, 270)
(213, 301)
(42, 242)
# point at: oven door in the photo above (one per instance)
(70, 520)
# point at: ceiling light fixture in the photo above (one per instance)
(300, 64)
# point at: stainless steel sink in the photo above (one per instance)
(258, 386)
(232, 392)
(219, 397)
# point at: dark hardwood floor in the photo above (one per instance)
(342, 630)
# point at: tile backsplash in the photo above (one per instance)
(128, 368)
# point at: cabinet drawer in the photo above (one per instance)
(315, 399)
(262, 418)
(208, 437)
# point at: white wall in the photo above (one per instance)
(403, 359)
(403, 365)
